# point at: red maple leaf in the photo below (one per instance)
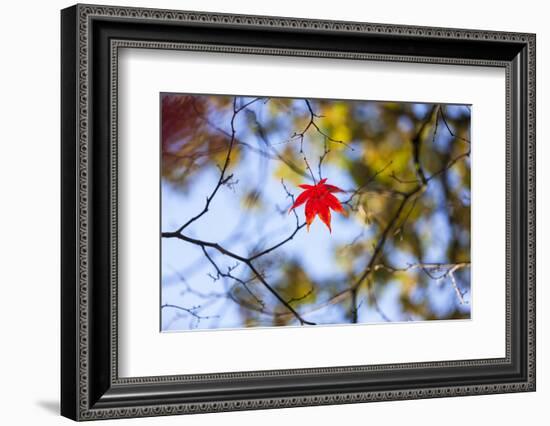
(319, 200)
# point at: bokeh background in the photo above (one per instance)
(400, 252)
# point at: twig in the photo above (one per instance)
(421, 176)
(399, 229)
(374, 301)
(449, 164)
(304, 296)
(278, 296)
(190, 311)
(247, 262)
(359, 191)
(230, 276)
(459, 294)
(342, 295)
(312, 123)
(378, 248)
(222, 179)
(326, 150)
(444, 119)
(262, 135)
(279, 244)
(417, 146)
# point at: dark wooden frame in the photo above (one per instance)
(90, 386)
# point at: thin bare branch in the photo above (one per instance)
(450, 164)
(444, 119)
(304, 296)
(247, 262)
(326, 150)
(229, 275)
(190, 311)
(416, 142)
(361, 189)
(312, 123)
(223, 179)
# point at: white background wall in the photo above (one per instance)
(29, 211)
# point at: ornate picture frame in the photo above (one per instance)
(91, 37)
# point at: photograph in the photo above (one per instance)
(312, 212)
(267, 209)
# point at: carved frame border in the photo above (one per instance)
(81, 407)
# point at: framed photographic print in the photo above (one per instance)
(263, 212)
